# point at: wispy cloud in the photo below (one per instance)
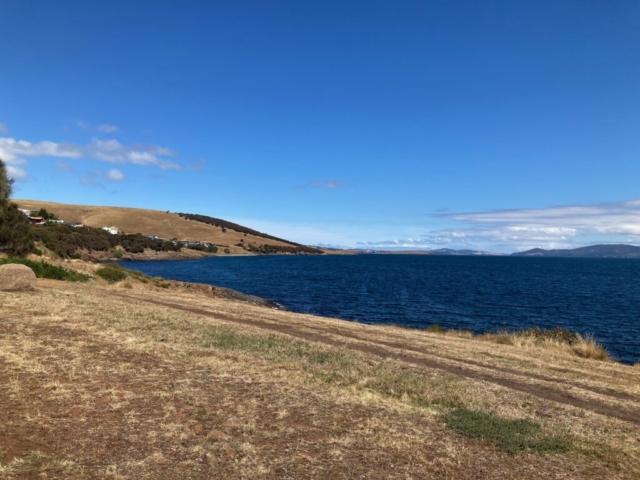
(96, 177)
(3, 127)
(115, 152)
(83, 125)
(16, 173)
(614, 218)
(323, 184)
(14, 152)
(106, 128)
(522, 229)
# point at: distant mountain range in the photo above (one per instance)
(594, 251)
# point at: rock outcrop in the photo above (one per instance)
(16, 277)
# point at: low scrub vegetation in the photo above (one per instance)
(275, 249)
(112, 273)
(46, 270)
(66, 240)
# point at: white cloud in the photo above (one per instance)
(614, 218)
(14, 151)
(106, 128)
(115, 175)
(3, 127)
(522, 229)
(83, 125)
(115, 152)
(16, 173)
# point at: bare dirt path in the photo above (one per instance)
(381, 349)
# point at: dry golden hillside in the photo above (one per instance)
(148, 222)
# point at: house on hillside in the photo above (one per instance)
(37, 220)
(26, 212)
(112, 230)
(76, 225)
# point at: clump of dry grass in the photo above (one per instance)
(557, 339)
(560, 339)
(587, 347)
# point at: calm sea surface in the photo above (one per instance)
(597, 296)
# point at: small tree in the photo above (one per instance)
(15, 233)
(6, 184)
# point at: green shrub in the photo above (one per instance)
(435, 328)
(511, 436)
(43, 269)
(112, 273)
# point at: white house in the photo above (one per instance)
(111, 230)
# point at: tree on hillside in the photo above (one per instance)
(15, 234)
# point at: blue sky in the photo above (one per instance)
(495, 125)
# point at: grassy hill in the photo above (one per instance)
(154, 222)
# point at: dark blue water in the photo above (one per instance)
(596, 296)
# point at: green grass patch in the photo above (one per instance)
(112, 273)
(511, 436)
(43, 269)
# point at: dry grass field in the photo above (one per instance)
(148, 222)
(137, 381)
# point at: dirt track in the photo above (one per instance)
(393, 350)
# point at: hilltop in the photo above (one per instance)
(593, 251)
(238, 239)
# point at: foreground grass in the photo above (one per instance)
(130, 390)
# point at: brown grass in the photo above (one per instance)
(135, 381)
(558, 340)
(148, 222)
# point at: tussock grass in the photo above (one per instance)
(511, 436)
(43, 269)
(561, 339)
(557, 338)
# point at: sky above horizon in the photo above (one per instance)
(491, 125)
